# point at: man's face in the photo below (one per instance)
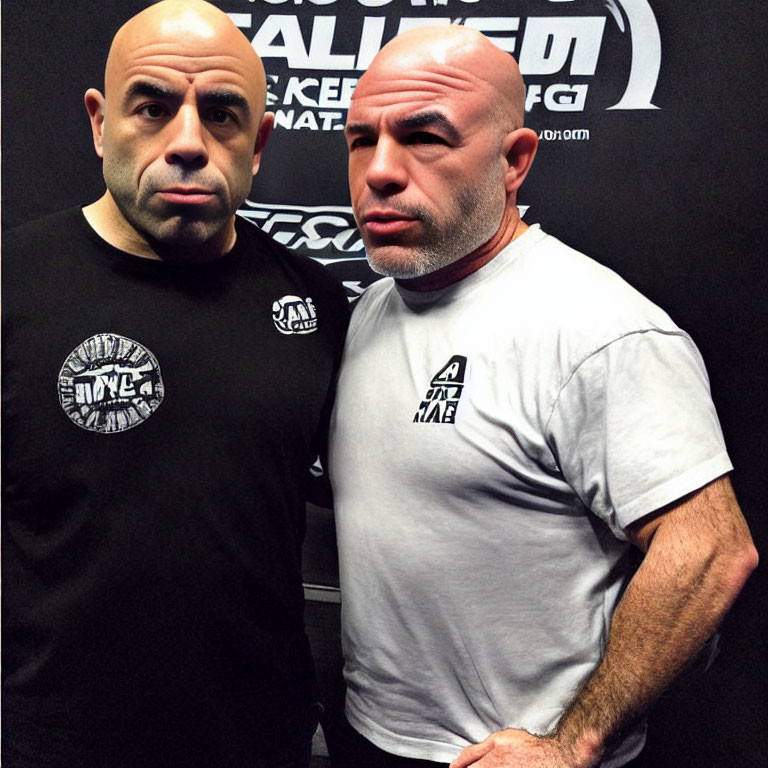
(180, 131)
(425, 167)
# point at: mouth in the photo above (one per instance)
(387, 222)
(186, 195)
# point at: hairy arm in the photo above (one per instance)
(698, 555)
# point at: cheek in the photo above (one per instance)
(117, 158)
(237, 169)
(356, 177)
(130, 156)
(440, 192)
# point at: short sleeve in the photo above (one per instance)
(634, 427)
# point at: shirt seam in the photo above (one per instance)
(679, 333)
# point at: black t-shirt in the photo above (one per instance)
(158, 422)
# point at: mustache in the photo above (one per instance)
(403, 208)
(172, 177)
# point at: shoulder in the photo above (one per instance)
(373, 299)
(375, 294)
(300, 265)
(569, 292)
(567, 272)
(295, 272)
(32, 232)
(553, 308)
(41, 249)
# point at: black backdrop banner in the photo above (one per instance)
(652, 160)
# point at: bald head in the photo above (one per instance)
(466, 59)
(180, 128)
(192, 27)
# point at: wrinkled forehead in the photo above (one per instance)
(408, 84)
(171, 54)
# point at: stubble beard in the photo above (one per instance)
(475, 220)
(182, 233)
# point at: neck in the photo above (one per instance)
(108, 222)
(512, 226)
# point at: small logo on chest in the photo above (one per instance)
(442, 398)
(292, 314)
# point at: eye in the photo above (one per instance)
(153, 111)
(361, 141)
(423, 137)
(221, 116)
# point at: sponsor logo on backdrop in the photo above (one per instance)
(110, 384)
(577, 56)
(328, 233)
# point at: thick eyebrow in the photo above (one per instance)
(148, 90)
(431, 119)
(422, 120)
(216, 98)
(358, 128)
(226, 99)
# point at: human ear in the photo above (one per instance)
(519, 150)
(265, 129)
(94, 103)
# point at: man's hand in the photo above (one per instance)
(514, 748)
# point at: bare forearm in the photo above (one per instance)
(698, 556)
(689, 578)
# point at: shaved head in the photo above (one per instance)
(196, 25)
(181, 128)
(467, 52)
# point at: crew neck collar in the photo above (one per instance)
(502, 259)
(157, 265)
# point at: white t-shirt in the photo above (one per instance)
(490, 443)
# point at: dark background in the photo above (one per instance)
(673, 199)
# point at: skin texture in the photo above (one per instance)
(181, 129)
(433, 180)
(435, 138)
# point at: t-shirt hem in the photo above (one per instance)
(402, 746)
(424, 749)
(676, 488)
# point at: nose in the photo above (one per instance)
(186, 145)
(387, 171)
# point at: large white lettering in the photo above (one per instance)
(320, 55)
(559, 97)
(309, 120)
(292, 49)
(370, 40)
(549, 41)
(325, 92)
(545, 46)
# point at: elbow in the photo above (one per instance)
(728, 564)
(742, 561)
(749, 559)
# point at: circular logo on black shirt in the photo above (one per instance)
(292, 314)
(110, 384)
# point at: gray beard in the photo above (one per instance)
(473, 225)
